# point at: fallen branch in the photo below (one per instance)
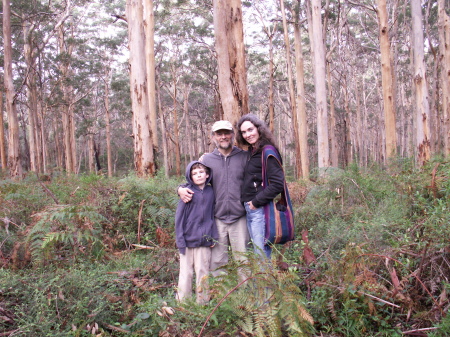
(361, 293)
(114, 328)
(418, 330)
(139, 222)
(142, 246)
(8, 333)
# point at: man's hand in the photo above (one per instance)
(185, 194)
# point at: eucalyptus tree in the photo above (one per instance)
(142, 130)
(3, 154)
(423, 146)
(301, 95)
(229, 43)
(387, 81)
(14, 157)
(444, 58)
(293, 98)
(320, 88)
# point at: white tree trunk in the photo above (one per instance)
(232, 75)
(14, 159)
(444, 51)
(143, 145)
(387, 80)
(149, 23)
(320, 87)
(423, 146)
(3, 161)
(292, 96)
(301, 103)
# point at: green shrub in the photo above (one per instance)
(64, 232)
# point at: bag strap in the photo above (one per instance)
(271, 151)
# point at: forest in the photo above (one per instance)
(103, 103)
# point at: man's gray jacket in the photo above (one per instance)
(227, 179)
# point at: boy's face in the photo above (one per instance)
(199, 176)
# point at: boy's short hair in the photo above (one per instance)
(200, 165)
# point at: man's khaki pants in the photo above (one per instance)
(233, 235)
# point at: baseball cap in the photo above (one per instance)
(222, 125)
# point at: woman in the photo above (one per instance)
(254, 133)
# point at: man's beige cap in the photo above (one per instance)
(222, 125)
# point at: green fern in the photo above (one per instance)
(66, 232)
(268, 303)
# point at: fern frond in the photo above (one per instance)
(269, 303)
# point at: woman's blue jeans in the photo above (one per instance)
(256, 228)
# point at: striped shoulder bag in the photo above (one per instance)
(279, 215)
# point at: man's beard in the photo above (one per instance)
(227, 147)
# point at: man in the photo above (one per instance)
(227, 163)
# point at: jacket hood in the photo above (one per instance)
(188, 173)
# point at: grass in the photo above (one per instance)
(379, 238)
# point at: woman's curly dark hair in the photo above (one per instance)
(265, 135)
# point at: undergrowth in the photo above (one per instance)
(376, 262)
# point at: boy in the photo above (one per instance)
(196, 233)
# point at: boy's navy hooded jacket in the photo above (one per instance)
(194, 221)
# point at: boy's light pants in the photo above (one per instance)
(195, 259)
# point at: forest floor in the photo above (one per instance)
(86, 255)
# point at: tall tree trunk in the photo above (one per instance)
(334, 156)
(359, 125)
(149, 23)
(67, 109)
(271, 83)
(348, 158)
(91, 152)
(30, 82)
(320, 87)
(14, 158)
(232, 74)
(3, 156)
(387, 80)
(444, 51)
(142, 131)
(298, 165)
(423, 146)
(176, 132)
(188, 134)
(163, 135)
(301, 99)
(108, 125)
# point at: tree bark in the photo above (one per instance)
(68, 120)
(423, 146)
(232, 74)
(190, 147)
(334, 155)
(444, 51)
(292, 97)
(387, 80)
(320, 87)
(149, 23)
(163, 135)
(33, 134)
(142, 131)
(301, 99)
(108, 124)
(3, 156)
(14, 158)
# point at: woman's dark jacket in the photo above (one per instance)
(252, 189)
